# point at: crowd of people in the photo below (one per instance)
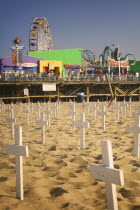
(76, 76)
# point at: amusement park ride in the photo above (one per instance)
(40, 38)
(107, 59)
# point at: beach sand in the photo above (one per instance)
(56, 174)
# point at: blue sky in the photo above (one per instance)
(86, 24)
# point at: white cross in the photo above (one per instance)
(26, 111)
(103, 114)
(12, 121)
(58, 104)
(9, 110)
(2, 107)
(81, 124)
(48, 112)
(44, 106)
(73, 113)
(19, 150)
(130, 104)
(136, 130)
(138, 113)
(118, 108)
(55, 109)
(109, 174)
(71, 105)
(38, 108)
(124, 105)
(86, 105)
(20, 106)
(43, 123)
(94, 108)
(31, 105)
(98, 103)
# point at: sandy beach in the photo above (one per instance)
(56, 174)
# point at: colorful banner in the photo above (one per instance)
(14, 58)
(114, 63)
(75, 66)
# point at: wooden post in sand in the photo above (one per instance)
(109, 174)
(43, 123)
(81, 124)
(103, 114)
(18, 150)
(12, 121)
(136, 130)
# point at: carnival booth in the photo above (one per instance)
(72, 71)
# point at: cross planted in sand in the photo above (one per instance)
(136, 130)
(12, 121)
(38, 108)
(72, 113)
(43, 123)
(118, 108)
(86, 105)
(48, 112)
(9, 110)
(19, 150)
(94, 108)
(124, 105)
(27, 111)
(55, 109)
(109, 174)
(81, 124)
(103, 114)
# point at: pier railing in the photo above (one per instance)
(57, 78)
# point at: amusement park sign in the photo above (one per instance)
(124, 63)
(30, 65)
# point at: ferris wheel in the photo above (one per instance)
(40, 38)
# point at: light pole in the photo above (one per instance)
(119, 62)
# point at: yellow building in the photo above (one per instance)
(46, 66)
